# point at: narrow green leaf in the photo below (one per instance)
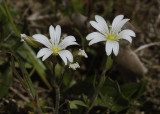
(38, 65)
(32, 56)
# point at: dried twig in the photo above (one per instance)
(19, 94)
(146, 46)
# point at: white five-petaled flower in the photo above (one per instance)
(111, 34)
(55, 45)
(74, 66)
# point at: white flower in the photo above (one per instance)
(111, 34)
(82, 53)
(54, 45)
(74, 66)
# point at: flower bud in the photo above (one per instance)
(82, 53)
(29, 40)
(74, 66)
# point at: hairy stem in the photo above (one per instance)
(57, 99)
(57, 87)
(92, 101)
(37, 107)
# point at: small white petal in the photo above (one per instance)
(46, 55)
(63, 57)
(68, 55)
(95, 37)
(42, 39)
(109, 47)
(120, 25)
(65, 54)
(69, 40)
(58, 33)
(115, 47)
(116, 20)
(52, 34)
(44, 52)
(126, 38)
(128, 32)
(96, 40)
(102, 22)
(98, 27)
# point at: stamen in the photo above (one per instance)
(111, 37)
(55, 50)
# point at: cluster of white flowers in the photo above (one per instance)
(111, 34)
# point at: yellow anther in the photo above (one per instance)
(55, 50)
(111, 37)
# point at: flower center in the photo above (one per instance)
(55, 50)
(111, 37)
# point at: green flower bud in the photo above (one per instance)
(29, 40)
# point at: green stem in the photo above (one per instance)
(57, 99)
(92, 101)
(96, 92)
(56, 86)
(36, 105)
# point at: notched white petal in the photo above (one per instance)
(65, 54)
(63, 57)
(128, 38)
(108, 47)
(102, 22)
(120, 25)
(42, 39)
(52, 34)
(68, 41)
(116, 20)
(69, 55)
(115, 48)
(45, 52)
(95, 37)
(41, 52)
(98, 27)
(58, 33)
(128, 32)
(46, 55)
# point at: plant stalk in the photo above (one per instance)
(57, 99)
(92, 101)
(56, 86)
(96, 92)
